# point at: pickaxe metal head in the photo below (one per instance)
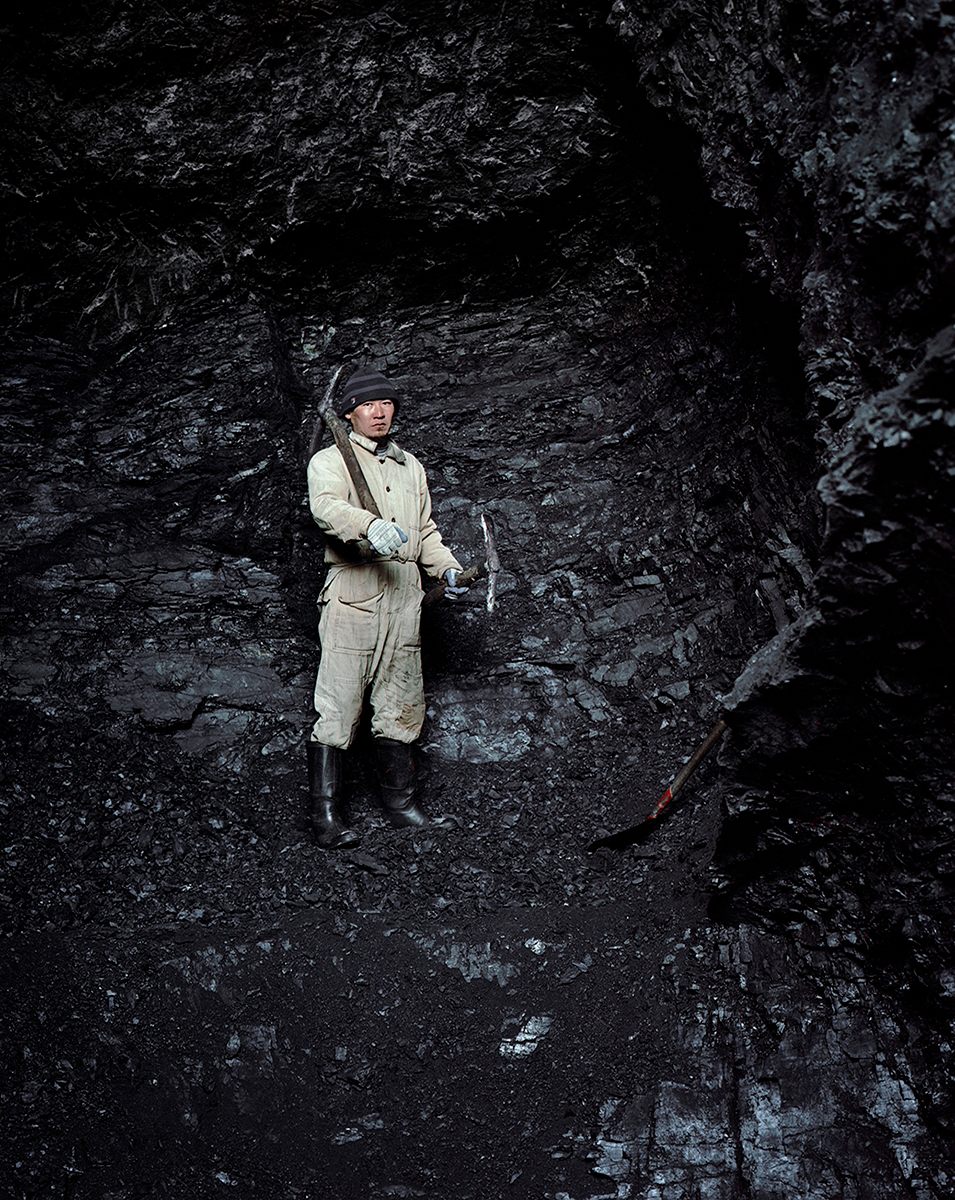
(493, 562)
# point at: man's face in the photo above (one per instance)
(373, 418)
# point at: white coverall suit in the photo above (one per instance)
(370, 622)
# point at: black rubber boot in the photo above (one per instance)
(324, 789)
(397, 777)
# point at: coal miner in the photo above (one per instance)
(370, 622)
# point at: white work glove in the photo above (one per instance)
(451, 582)
(385, 536)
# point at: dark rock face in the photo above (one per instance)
(667, 294)
(846, 719)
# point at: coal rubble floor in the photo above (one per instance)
(451, 1013)
(481, 1011)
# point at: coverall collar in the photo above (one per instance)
(389, 450)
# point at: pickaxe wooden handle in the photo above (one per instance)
(641, 831)
(339, 431)
(465, 579)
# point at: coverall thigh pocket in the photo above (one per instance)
(353, 624)
(409, 622)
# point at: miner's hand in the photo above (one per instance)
(451, 582)
(385, 537)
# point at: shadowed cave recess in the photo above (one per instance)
(666, 291)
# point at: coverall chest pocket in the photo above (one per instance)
(352, 624)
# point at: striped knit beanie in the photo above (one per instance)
(365, 385)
